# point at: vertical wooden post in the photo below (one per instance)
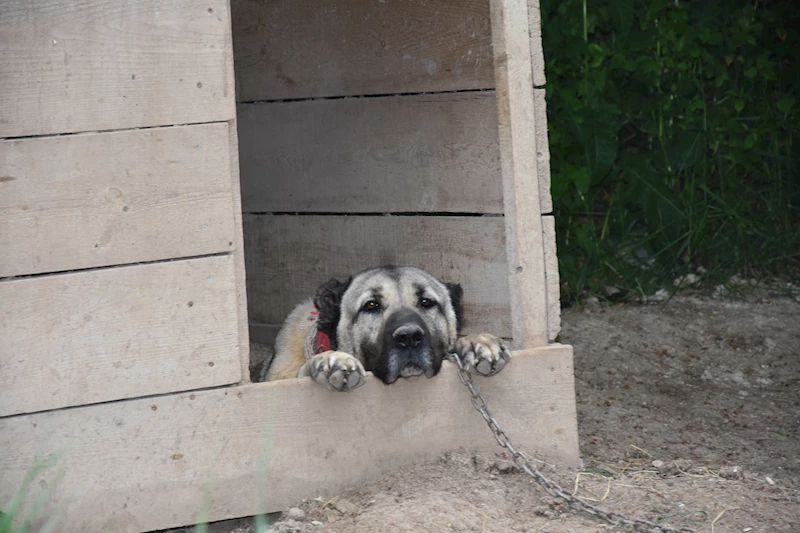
(238, 256)
(514, 82)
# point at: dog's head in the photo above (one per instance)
(398, 321)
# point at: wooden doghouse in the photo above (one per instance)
(369, 132)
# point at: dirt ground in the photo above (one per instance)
(689, 416)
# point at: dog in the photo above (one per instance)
(394, 321)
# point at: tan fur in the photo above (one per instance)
(290, 345)
(398, 289)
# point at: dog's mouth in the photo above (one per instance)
(411, 370)
(406, 364)
(407, 369)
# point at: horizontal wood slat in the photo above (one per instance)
(288, 257)
(156, 463)
(395, 154)
(264, 333)
(82, 201)
(303, 48)
(113, 64)
(101, 335)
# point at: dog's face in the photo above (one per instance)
(398, 321)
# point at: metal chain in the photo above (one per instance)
(552, 488)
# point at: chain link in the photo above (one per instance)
(524, 463)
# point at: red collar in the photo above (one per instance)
(322, 343)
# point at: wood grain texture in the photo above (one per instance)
(301, 49)
(146, 464)
(82, 201)
(396, 154)
(289, 257)
(517, 126)
(542, 151)
(108, 334)
(537, 53)
(263, 334)
(113, 64)
(553, 278)
(238, 258)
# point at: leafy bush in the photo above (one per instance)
(671, 134)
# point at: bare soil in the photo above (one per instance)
(689, 416)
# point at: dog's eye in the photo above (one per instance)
(426, 303)
(371, 305)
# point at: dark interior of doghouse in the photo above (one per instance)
(367, 136)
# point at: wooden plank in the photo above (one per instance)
(264, 333)
(103, 335)
(81, 201)
(552, 276)
(542, 151)
(113, 64)
(238, 258)
(396, 154)
(288, 257)
(287, 49)
(517, 125)
(537, 53)
(148, 464)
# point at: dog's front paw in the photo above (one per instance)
(337, 370)
(483, 353)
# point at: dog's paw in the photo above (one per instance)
(483, 353)
(337, 370)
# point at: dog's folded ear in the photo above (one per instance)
(456, 294)
(328, 301)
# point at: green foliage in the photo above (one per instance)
(12, 518)
(671, 131)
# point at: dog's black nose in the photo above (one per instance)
(408, 336)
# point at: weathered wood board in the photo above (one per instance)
(416, 153)
(552, 277)
(238, 256)
(517, 128)
(101, 335)
(288, 257)
(542, 151)
(146, 464)
(80, 201)
(263, 334)
(266, 333)
(289, 49)
(537, 53)
(113, 64)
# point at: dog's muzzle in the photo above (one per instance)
(407, 339)
(408, 346)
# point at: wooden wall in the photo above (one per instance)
(360, 125)
(370, 132)
(155, 463)
(120, 223)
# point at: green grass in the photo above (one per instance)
(671, 129)
(14, 518)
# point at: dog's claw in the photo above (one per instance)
(337, 370)
(483, 353)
